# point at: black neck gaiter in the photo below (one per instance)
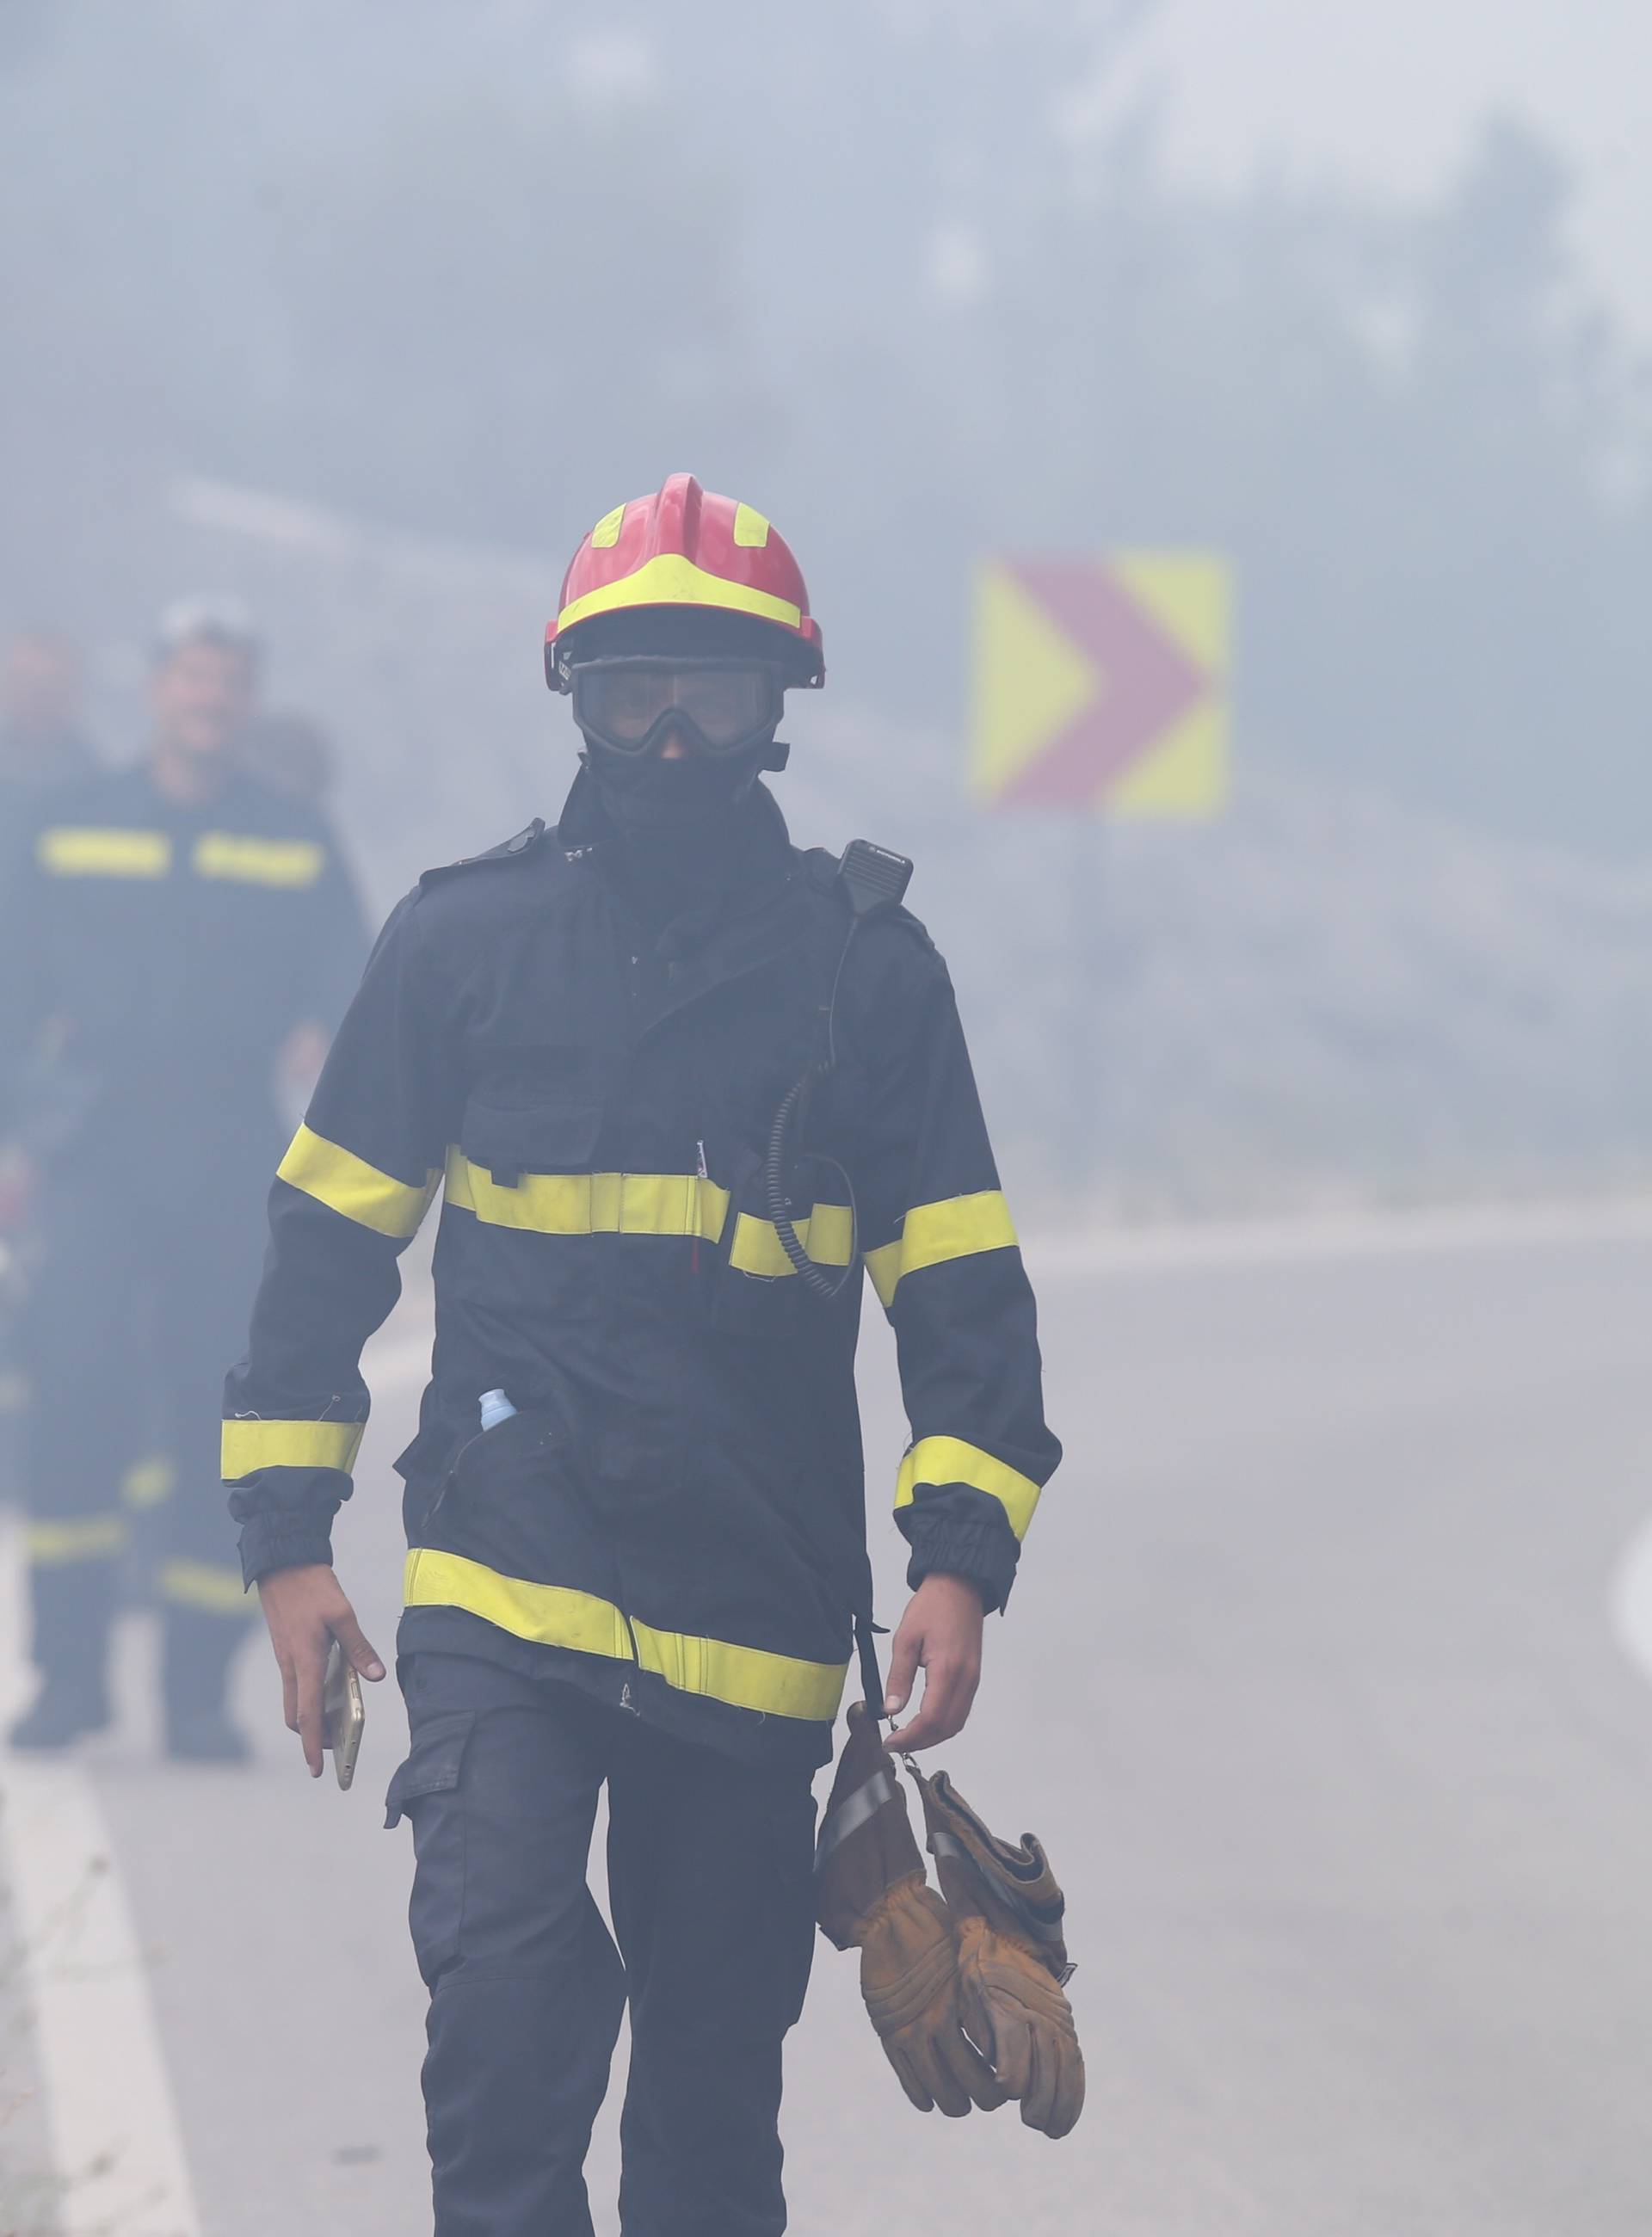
(681, 827)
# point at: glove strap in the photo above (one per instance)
(871, 1677)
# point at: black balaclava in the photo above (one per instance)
(683, 826)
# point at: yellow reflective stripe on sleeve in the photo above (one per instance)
(748, 1677)
(750, 529)
(949, 1459)
(87, 1538)
(214, 1587)
(669, 580)
(827, 1234)
(69, 851)
(255, 861)
(931, 1234)
(250, 1444)
(591, 1204)
(552, 1615)
(148, 1483)
(348, 1185)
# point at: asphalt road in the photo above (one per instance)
(1311, 1686)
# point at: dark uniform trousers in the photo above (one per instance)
(138, 1293)
(710, 1887)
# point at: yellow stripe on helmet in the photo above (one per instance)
(668, 579)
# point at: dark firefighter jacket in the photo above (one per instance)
(674, 1520)
(164, 952)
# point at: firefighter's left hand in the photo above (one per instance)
(939, 1634)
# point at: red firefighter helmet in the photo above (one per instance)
(687, 547)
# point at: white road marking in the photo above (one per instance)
(1632, 1599)
(118, 2161)
(117, 2147)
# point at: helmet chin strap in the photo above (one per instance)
(776, 754)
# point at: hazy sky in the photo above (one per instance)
(1388, 91)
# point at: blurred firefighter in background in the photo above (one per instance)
(290, 753)
(178, 937)
(636, 1503)
(42, 742)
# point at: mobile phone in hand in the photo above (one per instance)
(344, 1714)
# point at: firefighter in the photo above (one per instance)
(174, 934)
(42, 742)
(640, 1563)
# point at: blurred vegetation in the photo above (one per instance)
(911, 278)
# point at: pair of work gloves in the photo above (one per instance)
(964, 1987)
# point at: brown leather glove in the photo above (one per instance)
(1007, 1909)
(872, 1896)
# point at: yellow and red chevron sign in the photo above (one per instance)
(1101, 683)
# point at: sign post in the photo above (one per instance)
(1100, 691)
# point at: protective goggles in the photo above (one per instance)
(724, 707)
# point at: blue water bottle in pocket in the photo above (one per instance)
(496, 1407)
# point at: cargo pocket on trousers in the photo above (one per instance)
(425, 1790)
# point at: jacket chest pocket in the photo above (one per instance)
(528, 1168)
(537, 1110)
(506, 1139)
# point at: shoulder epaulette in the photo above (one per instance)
(509, 850)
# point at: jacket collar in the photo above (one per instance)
(584, 821)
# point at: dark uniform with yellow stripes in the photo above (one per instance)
(672, 1524)
(157, 957)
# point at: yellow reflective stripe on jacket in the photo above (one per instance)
(147, 1483)
(931, 1234)
(250, 1444)
(642, 1204)
(777, 1685)
(73, 850)
(87, 1538)
(551, 1615)
(214, 1587)
(591, 1204)
(348, 1185)
(255, 862)
(668, 579)
(949, 1459)
(827, 1234)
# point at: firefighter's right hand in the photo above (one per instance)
(306, 1610)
